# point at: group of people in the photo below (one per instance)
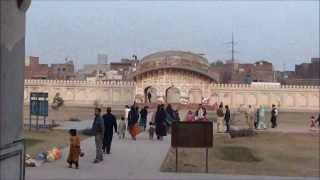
(102, 129)
(199, 115)
(256, 118)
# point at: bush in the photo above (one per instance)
(242, 133)
(74, 119)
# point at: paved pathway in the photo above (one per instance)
(139, 159)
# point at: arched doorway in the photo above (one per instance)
(172, 95)
(150, 94)
(195, 96)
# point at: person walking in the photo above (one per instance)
(227, 117)
(133, 118)
(169, 115)
(250, 117)
(110, 123)
(149, 97)
(126, 114)
(274, 116)
(160, 121)
(143, 117)
(98, 130)
(220, 118)
(261, 118)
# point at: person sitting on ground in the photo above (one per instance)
(122, 128)
(312, 123)
(152, 129)
(74, 151)
(189, 117)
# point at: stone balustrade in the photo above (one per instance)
(110, 83)
(86, 93)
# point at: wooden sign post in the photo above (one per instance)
(198, 134)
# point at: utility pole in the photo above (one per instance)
(232, 51)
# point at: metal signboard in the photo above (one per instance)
(38, 106)
(197, 134)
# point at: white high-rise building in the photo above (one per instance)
(102, 59)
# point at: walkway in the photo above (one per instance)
(139, 159)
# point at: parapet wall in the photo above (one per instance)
(287, 97)
(83, 93)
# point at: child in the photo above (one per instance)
(74, 151)
(151, 130)
(189, 117)
(122, 128)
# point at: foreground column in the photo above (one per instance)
(12, 54)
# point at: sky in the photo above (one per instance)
(282, 32)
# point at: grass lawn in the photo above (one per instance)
(272, 154)
(42, 140)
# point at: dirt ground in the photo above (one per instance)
(268, 153)
(43, 140)
(289, 150)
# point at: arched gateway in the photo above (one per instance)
(173, 76)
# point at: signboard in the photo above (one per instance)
(197, 134)
(39, 104)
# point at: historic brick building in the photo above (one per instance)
(261, 71)
(308, 70)
(35, 70)
(63, 71)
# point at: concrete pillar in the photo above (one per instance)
(12, 55)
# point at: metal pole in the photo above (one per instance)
(30, 113)
(37, 123)
(206, 160)
(176, 159)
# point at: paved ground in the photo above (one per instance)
(139, 159)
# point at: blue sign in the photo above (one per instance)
(39, 104)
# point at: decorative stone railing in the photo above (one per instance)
(249, 86)
(110, 83)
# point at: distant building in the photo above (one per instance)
(308, 70)
(63, 71)
(261, 71)
(102, 59)
(34, 70)
(125, 67)
(304, 74)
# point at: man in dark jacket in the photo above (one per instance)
(110, 123)
(227, 118)
(97, 130)
(143, 117)
(274, 115)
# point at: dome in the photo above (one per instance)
(171, 56)
(182, 60)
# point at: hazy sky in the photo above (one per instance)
(281, 32)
